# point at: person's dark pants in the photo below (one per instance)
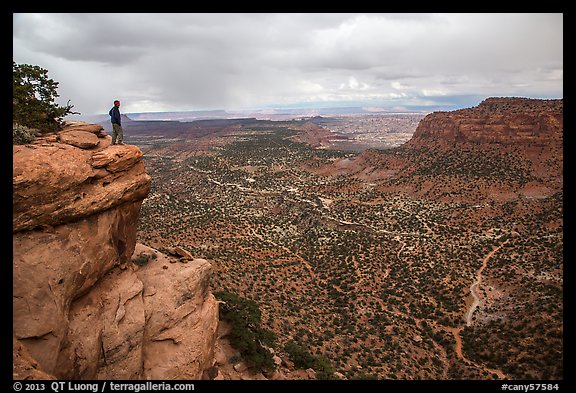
(117, 133)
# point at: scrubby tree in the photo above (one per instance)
(247, 334)
(33, 99)
(302, 358)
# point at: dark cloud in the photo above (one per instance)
(205, 61)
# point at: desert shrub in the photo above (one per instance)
(299, 355)
(247, 334)
(140, 260)
(365, 376)
(302, 358)
(22, 135)
(143, 258)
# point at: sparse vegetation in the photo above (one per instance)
(247, 335)
(304, 359)
(371, 278)
(22, 135)
(143, 258)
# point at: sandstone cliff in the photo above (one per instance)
(506, 121)
(503, 149)
(81, 308)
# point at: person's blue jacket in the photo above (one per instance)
(115, 115)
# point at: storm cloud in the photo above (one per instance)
(167, 62)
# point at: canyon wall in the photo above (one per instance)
(501, 149)
(81, 308)
(505, 121)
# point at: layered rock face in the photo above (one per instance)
(529, 130)
(504, 149)
(495, 120)
(81, 310)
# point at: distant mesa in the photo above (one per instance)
(519, 139)
(495, 120)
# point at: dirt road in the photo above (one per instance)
(476, 285)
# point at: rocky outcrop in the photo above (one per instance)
(507, 121)
(55, 182)
(81, 308)
(510, 135)
(504, 149)
(25, 366)
(157, 321)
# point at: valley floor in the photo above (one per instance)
(384, 283)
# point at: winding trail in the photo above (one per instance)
(297, 256)
(470, 312)
(476, 284)
(474, 287)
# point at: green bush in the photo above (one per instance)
(143, 258)
(33, 96)
(304, 359)
(247, 334)
(140, 260)
(22, 135)
(299, 355)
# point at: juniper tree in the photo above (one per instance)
(33, 98)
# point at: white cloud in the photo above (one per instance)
(353, 84)
(433, 92)
(396, 85)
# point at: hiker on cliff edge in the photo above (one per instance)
(117, 132)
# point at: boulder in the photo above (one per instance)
(57, 183)
(95, 129)
(182, 253)
(81, 139)
(151, 323)
(117, 158)
(181, 320)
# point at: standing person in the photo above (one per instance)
(117, 132)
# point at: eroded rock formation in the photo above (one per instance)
(81, 309)
(502, 149)
(506, 121)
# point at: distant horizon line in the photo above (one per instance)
(309, 110)
(350, 107)
(303, 111)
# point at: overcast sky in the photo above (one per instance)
(173, 62)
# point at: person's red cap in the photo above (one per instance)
(116, 102)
